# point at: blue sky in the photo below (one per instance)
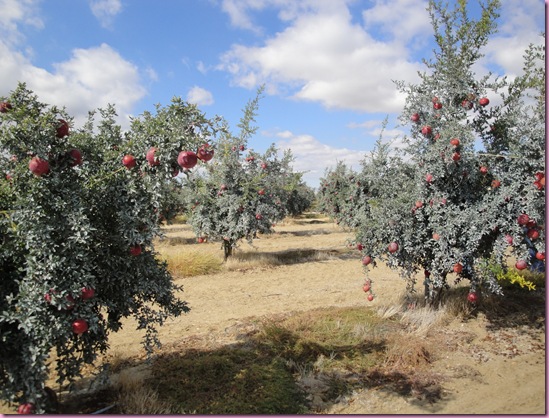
(327, 64)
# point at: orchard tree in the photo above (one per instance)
(341, 195)
(80, 209)
(243, 192)
(477, 148)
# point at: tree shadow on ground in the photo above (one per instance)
(294, 256)
(261, 374)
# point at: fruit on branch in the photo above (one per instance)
(129, 161)
(62, 128)
(151, 158)
(79, 326)
(187, 159)
(205, 153)
(38, 166)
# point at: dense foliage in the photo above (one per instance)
(243, 192)
(469, 189)
(80, 209)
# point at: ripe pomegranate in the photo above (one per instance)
(76, 157)
(366, 260)
(62, 128)
(521, 265)
(455, 142)
(370, 297)
(87, 293)
(187, 159)
(38, 166)
(483, 101)
(136, 250)
(523, 219)
(458, 268)
(415, 117)
(79, 326)
(4, 107)
(393, 247)
(533, 234)
(26, 408)
(150, 157)
(205, 153)
(540, 255)
(129, 161)
(426, 130)
(472, 297)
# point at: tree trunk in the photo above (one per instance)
(228, 249)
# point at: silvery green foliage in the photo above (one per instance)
(459, 202)
(73, 228)
(243, 192)
(468, 196)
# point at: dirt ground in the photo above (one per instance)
(488, 370)
(497, 371)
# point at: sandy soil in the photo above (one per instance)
(487, 371)
(496, 371)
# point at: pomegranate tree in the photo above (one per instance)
(449, 217)
(77, 232)
(241, 193)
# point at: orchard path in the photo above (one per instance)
(495, 372)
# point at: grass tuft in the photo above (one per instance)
(184, 262)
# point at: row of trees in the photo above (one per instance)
(467, 188)
(80, 209)
(244, 192)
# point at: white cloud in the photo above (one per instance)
(91, 78)
(238, 13)
(313, 157)
(403, 20)
(323, 56)
(105, 10)
(14, 13)
(520, 24)
(200, 96)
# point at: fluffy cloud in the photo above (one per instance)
(17, 12)
(519, 28)
(91, 78)
(313, 157)
(200, 96)
(105, 10)
(324, 56)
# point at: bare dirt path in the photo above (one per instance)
(495, 372)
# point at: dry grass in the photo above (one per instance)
(188, 262)
(136, 398)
